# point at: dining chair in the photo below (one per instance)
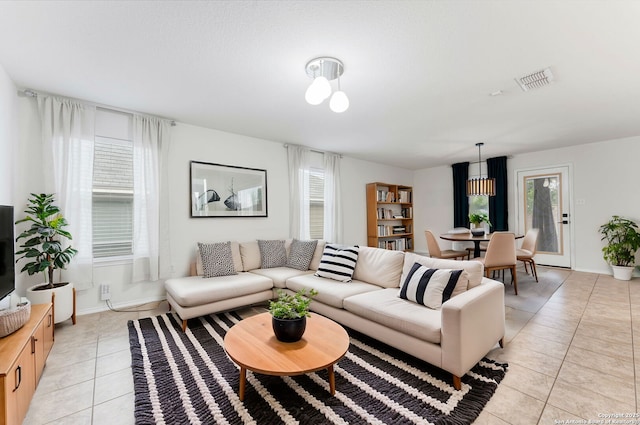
(436, 252)
(501, 255)
(528, 251)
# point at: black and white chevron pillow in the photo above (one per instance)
(429, 287)
(338, 263)
(217, 259)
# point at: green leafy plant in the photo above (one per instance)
(42, 247)
(623, 240)
(292, 306)
(477, 218)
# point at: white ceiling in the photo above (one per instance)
(418, 74)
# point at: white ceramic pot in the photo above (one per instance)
(63, 304)
(622, 272)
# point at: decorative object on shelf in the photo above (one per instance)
(323, 70)
(476, 220)
(13, 319)
(44, 253)
(290, 314)
(623, 240)
(227, 191)
(482, 186)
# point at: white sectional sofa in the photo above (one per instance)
(453, 338)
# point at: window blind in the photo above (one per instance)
(316, 204)
(112, 197)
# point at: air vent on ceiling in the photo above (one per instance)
(535, 80)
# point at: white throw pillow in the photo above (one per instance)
(430, 287)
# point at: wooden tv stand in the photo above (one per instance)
(22, 358)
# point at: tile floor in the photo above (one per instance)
(570, 349)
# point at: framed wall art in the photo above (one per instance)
(227, 191)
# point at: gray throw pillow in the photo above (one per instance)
(301, 253)
(217, 259)
(272, 253)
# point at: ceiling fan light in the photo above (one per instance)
(339, 102)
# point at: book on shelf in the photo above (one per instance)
(404, 196)
(407, 212)
(399, 229)
(386, 196)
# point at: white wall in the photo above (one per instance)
(8, 136)
(605, 176)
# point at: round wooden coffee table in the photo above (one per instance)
(253, 346)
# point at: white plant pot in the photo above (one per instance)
(622, 272)
(63, 304)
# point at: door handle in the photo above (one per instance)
(563, 222)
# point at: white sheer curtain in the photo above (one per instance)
(332, 198)
(68, 138)
(150, 147)
(298, 158)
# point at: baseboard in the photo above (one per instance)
(122, 305)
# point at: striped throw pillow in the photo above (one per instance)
(429, 287)
(338, 263)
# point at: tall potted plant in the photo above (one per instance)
(623, 240)
(43, 251)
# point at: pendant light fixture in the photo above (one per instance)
(482, 186)
(323, 70)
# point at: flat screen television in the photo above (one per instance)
(7, 256)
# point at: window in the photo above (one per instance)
(479, 204)
(112, 191)
(316, 203)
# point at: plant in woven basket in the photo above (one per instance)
(289, 306)
(42, 247)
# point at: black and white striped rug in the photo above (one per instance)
(186, 378)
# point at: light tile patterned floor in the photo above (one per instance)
(570, 347)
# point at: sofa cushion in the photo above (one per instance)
(431, 287)
(301, 253)
(382, 267)
(272, 253)
(474, 269)
(235, 252)
(330, 292)
(250, 254)
(217, 259)
(317, 255)
(384, 307)
(279, 275)
(195, 290)
(338, 262)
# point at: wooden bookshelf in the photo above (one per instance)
(390, 216)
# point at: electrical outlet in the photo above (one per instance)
(105, 292)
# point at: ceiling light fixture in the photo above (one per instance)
(482, 186)
(323, 70)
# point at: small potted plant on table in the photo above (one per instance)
(476, 220)
(289, 314)
(623, 240)
(44, 254)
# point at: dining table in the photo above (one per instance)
(469, 237)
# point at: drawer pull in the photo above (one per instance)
(18, 376)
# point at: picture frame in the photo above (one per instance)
(219, 190)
